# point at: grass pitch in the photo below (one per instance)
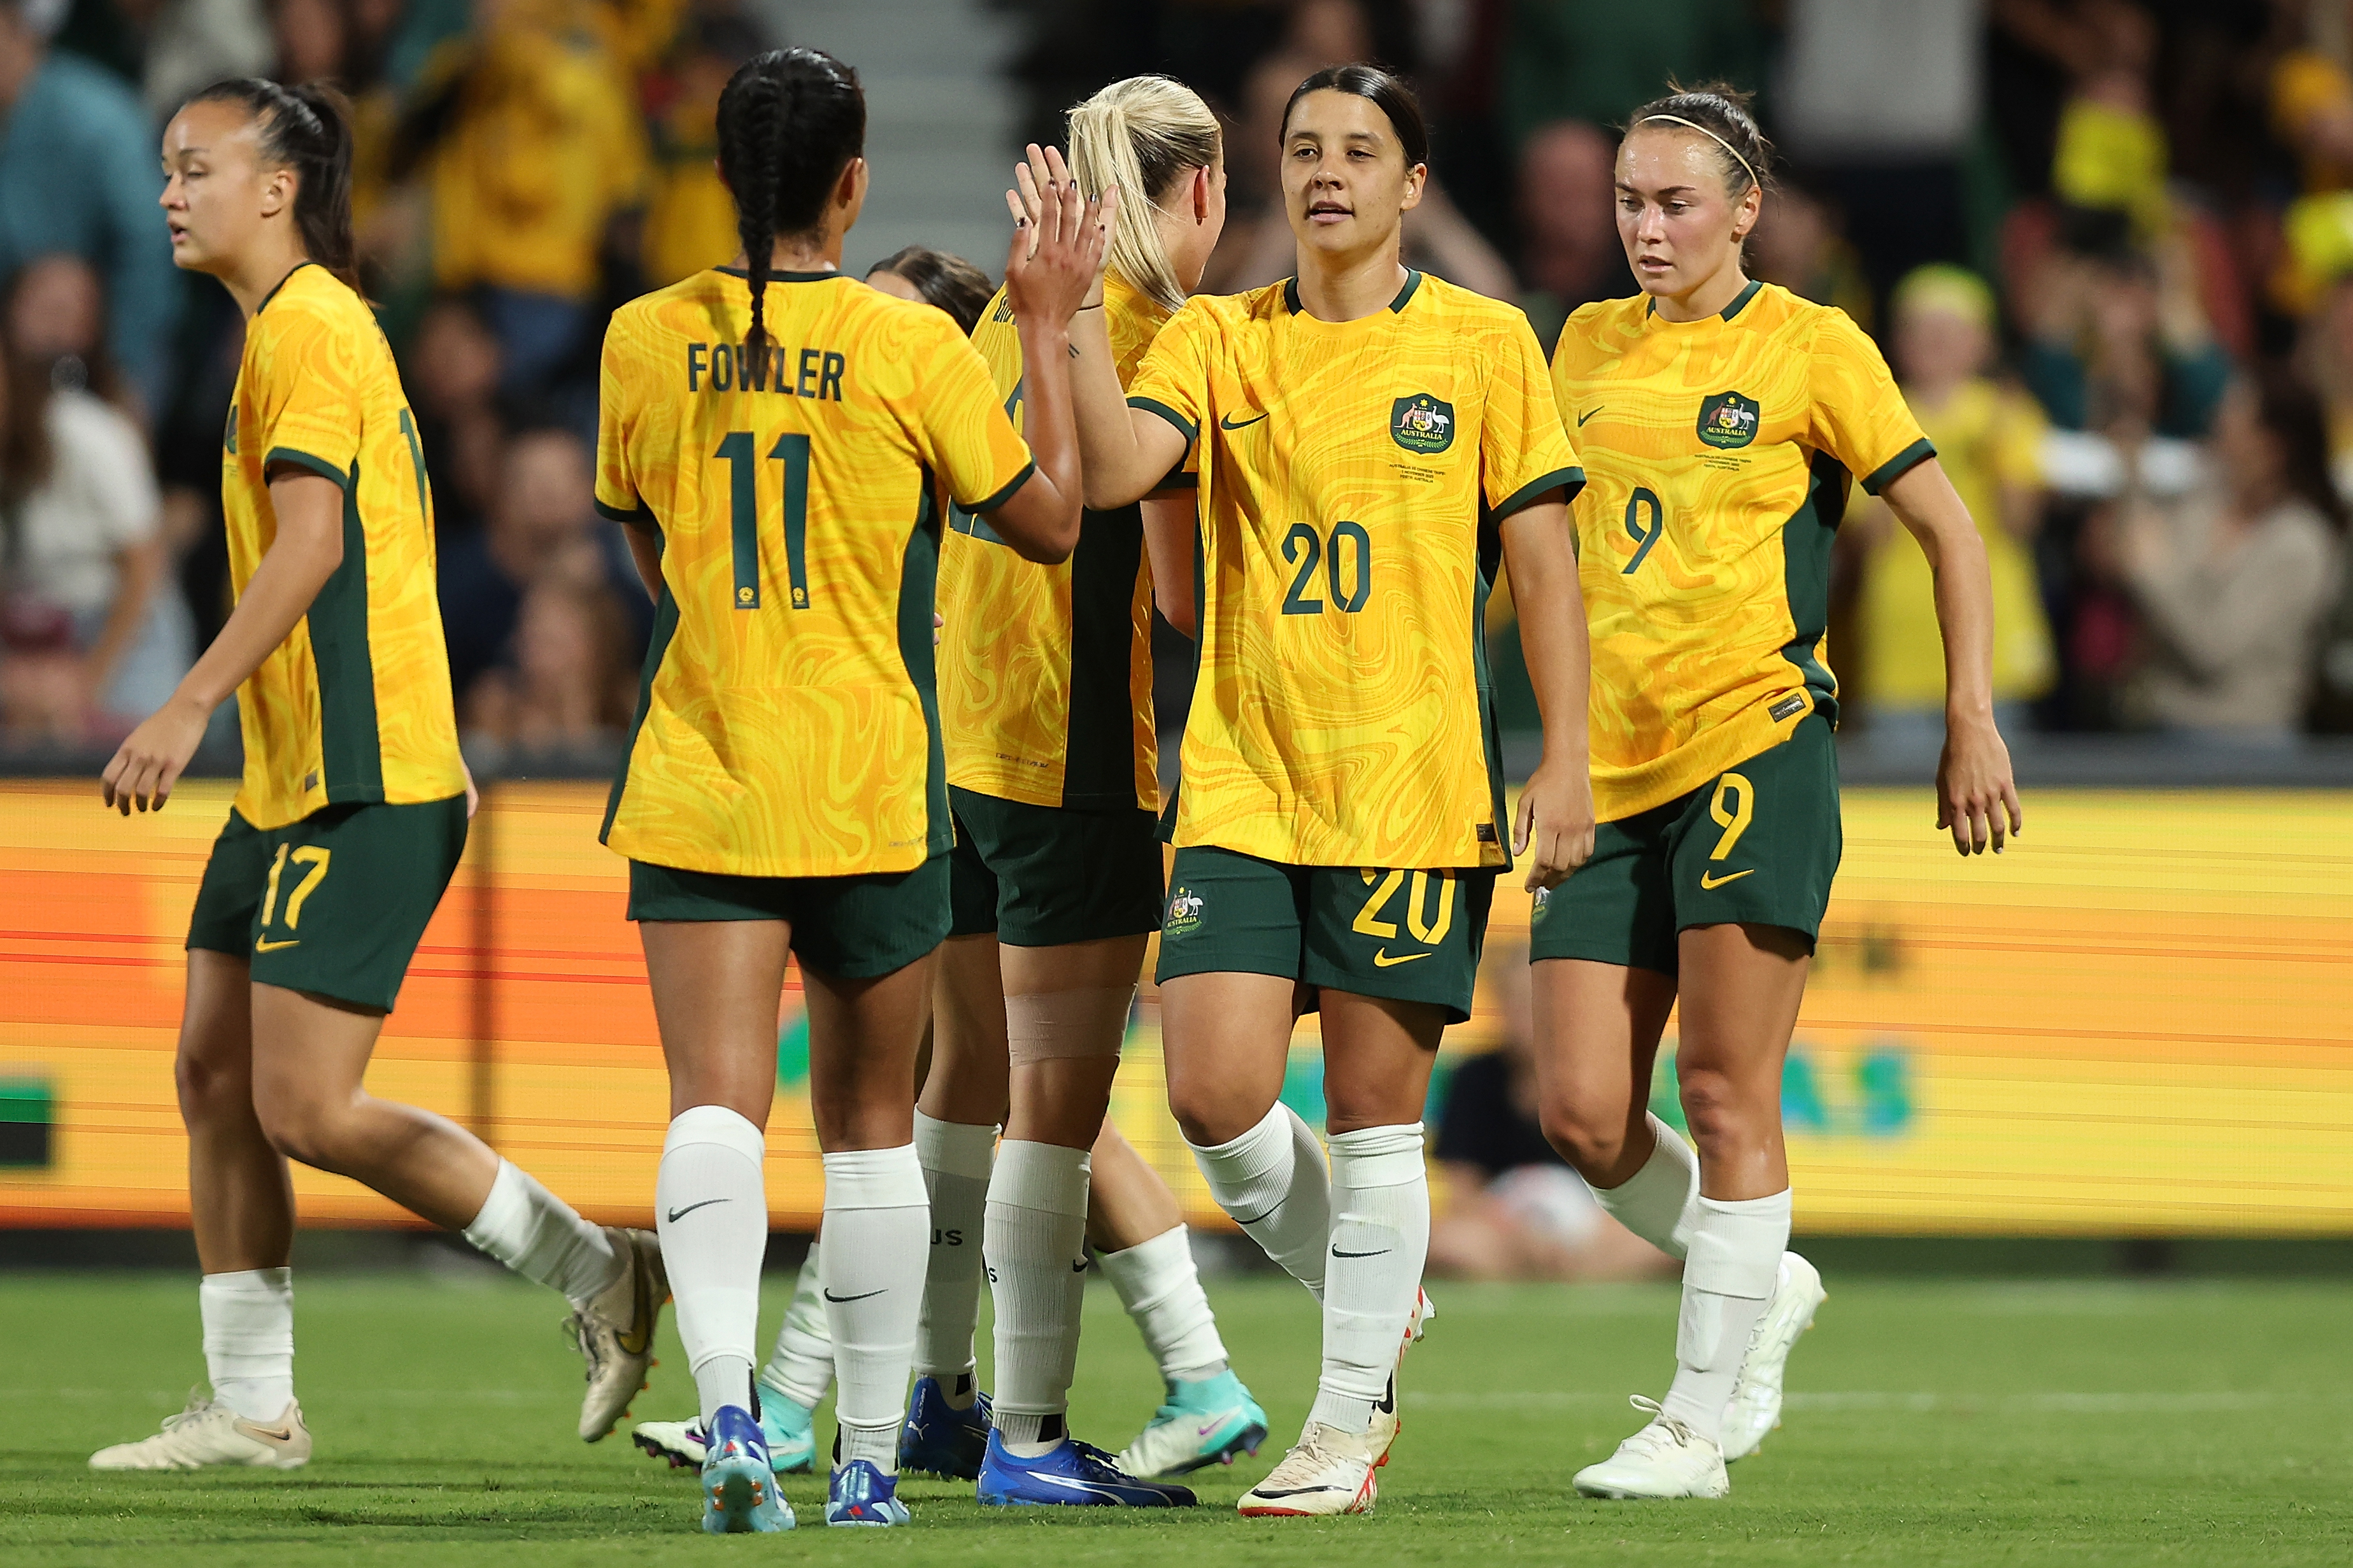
(1931, 1424)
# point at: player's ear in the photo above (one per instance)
(279, 189)
(1746, 211)
(1417, 179)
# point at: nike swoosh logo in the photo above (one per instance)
(1230, 423)
(1079, 1266)
(1382, 1252)
(1583, 417)
(1293, 1492)
(675, 1215)
(1381, 959)
(281, 1435)
(1710, 883)
(839, 1300)
(276, 946)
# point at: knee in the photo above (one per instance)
(211, 1092)
(305, 1131)
(1591, 1142)
(1208, 1115)
(1721, 1114)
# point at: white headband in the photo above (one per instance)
(1712, 136)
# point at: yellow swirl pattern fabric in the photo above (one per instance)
(1351, 475)
(1046, 671)
(787, 724)
(354, 707)
(1720, 454)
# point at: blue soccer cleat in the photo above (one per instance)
(1072, 1473)
(740, 1495)
(863, 1494)
(1204, 1421)
(941, 1440)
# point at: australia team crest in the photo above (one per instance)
(1728, 419)
(1421, 423)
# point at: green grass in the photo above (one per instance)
(1937, 1423)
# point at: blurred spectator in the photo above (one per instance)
(1798, 243)
(452, 378)
(57, 319)
(312, 39)
(1572, 59)
(1569, 252)
(528, 129)
(1989, 437)
(1514, 1209)
(567, 689)
(690, 217)
(2235, 580)
(78, 175)
(2118, 340)
(90, 644)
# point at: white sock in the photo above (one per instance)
(249, 1319)
(955, 1158)
(1162, 1292)
(1380, 1237)
(1736, 1256)
(801, 1366)
(1658, 1203)
(872, 1276)
(1037, 1268)
(540, 1237)
(1272, 1181)
(711, 1206)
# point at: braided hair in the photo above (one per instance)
(789, 122)
(307, 128)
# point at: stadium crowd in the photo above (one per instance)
(2106, 245)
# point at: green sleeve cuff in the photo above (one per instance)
(1185, 427)
(1896, 467)
(1004, 494)
(1569, 480)
(638, 516)
(319, 466)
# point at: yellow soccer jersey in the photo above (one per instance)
(787, 725)
(1351, 476)
(1046, 671)
(1719, 453)
(354, 705)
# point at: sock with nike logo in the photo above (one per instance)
(249, 1319)
(1161, 1290)
(870, 1276)
(711, 1205)
(1658, 1203)
(1272, 1181)
(1380, 1236)
(1037, 1251)
(542, 1237)
(955, 1158)
(801, 1366)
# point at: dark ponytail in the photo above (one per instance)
(307, 128)
(789, 122)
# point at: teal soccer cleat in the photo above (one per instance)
(1203, 1422)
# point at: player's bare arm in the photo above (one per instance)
(1554, 828)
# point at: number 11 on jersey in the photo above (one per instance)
(744, 497)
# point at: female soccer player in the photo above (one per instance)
(353, 808)
(772, 432)
(1053, 771)
(1369, 441)
(1721, 421)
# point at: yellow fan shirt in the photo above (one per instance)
(1046, 671)
(1719, 455)
(788, 724)
(354, 707)
(1352, 475)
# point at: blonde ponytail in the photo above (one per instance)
(1142, 134)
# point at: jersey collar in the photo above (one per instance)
(1739, 303)
(280, 284)
(783, 277)
(1397, 306)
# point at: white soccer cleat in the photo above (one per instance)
(1386, 1421)
(616, 1332)
(207, 1433)
(1756, 1406)
(1330, 1471)
(1665, 1459)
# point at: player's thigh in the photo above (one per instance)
(1067, 1012)
(1378, 1053)
(1742, 988)
(213, 1063)
(1411, 937)
(867, 947)
(715, 952)
(1597, 1028)
(309, 1067)
(347, 895)
(1232, 956)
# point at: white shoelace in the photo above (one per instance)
(1662, 1429)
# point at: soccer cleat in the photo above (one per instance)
(1071, 1472)
(1204, 1421)
(941, 1440)
(1754, 1408)
(861, 1494)
(1330, 1471)
(208, 1433)
(1386, 1423)
(615, 1331)
(1665, 1459)
(740, 1495)
(784, 1422)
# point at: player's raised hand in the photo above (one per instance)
(153, 757)
(1556, 824)
(1059, 238)
(1977, 799)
